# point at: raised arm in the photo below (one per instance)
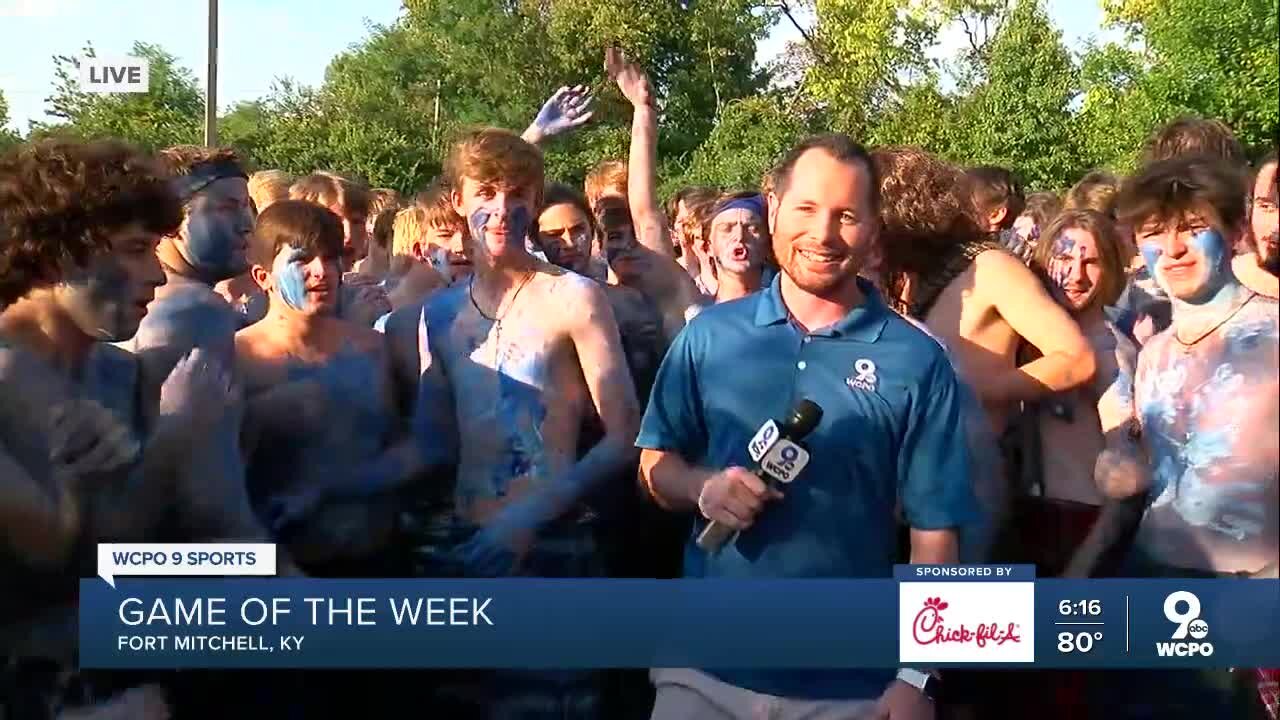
(1067, 359)
(647, 215)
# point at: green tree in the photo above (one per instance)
(749, 139)
(1210, 58)
(923, 116)
(7, 137)
(393, 104)
(863, 56)
(1019, 112)
(1115, 116)
(169, 113)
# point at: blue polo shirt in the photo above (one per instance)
(891, 431)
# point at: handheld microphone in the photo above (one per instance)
(778, 456)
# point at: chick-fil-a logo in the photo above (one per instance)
(928, 629)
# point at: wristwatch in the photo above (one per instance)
(927, 684)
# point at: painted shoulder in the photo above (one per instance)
(443, 306)
(187, 319)
(573, 285)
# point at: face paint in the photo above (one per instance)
(290, 277)
(216, 233)
(1215, 252)
(1214, 249)
(1151, 252)
(440, 261)
(102, 300)
(516, 222)
(1059, 269)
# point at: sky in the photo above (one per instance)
(261, 40)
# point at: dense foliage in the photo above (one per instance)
(1015, 95)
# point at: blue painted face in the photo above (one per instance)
(289, 274)
(1201, 275)
(1215, 250)
(215, 236)
(107, 297)
(515, 222)
(499, 223)
(1060, 265)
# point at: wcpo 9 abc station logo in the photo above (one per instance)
(1190, 633)
(960, 622)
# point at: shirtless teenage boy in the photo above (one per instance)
(508, 380)
(79, 225)
(299, 465)
(1082, 256)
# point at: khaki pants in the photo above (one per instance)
(694, 695)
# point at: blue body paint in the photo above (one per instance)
(102, 295)
(1208, 407)
(522, 412)
(498, 396)
(294, 452)
(517, 221)
(1060, 270)
(211, 243)
(1219, 287)
(1151, 252)
(290, 277)
(186, 316)
(1213, 248)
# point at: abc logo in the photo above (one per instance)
(1182, 608)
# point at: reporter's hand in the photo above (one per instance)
(901, 701)
(734, 497)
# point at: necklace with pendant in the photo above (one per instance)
(1186, 346)
(499, 314)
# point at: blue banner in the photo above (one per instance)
(537, 623)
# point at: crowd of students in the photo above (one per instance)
(505, 376)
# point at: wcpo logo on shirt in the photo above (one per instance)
(957, 622)
(863, 376)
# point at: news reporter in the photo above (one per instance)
(891, 431)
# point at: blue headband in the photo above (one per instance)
(754, 204)
(204, 174)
